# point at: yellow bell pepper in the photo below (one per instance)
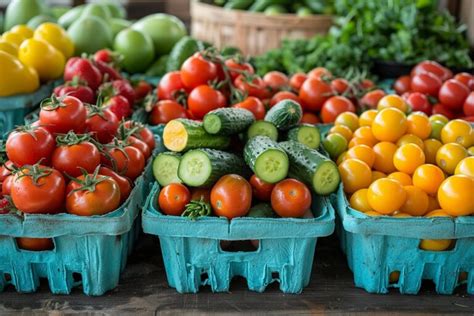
(43, 57)
(23, 30)
(16, 78)
(56, 36)
(7, 47)
(13, 38)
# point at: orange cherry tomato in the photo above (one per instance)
(410, 139)
(449, 155)
(377, 175)
(362, 152)
(355, 175)
(401, 177)
(428, 177)
(419, 125)
(430, 148)
(408, 157)
(261, 190)
(173, 199)
(455, 195)
(367, 118)
(360, 202)
(389, 125)
(466, 167)
(343, 130)
(392, 101)
(386, 196)
(384, 152)
(348, 119)
(416, 202)
(35, 244)
(291, 198)
(231, 196)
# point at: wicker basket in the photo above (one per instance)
(254, 33)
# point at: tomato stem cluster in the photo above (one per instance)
(196, 209)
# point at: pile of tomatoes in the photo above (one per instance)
(76, 158)
(233, 196)
(404, 165)
(207, 81)
(434, 89)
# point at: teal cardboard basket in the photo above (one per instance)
(193, 255)
(377, 246)
(88, 251)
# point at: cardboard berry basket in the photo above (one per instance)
(194, 257)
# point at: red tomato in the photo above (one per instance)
(371, 99)
(442, 109)
(290, 198)
(72, 157)
(124, 184)
(165, 111)
(231, 196)
(468, 107)
(142, 132)
(254, 105)
(310, 118)
(453, 94)
(7, 185)
(335, 106)
(297, 80)
(432, 67)
(63, 115)
(120, 106)
(468, 118)
(402, 85)
(29, 145)
(419, 102)
(237, 68)
(261, 189)
(5, 170)
(170, 85)
(34, 244)
(465, 78)
(140, 145)
(204, 99)
(142, 89)
(196, 71)
(319, 73)
(340, 85)
(313, 93)
(276, 80)
(367, 84)
(427, 83)
(38, 189)
(254, 87)
(284, 95)
(201, 194)
(102, 124)
(173, 199)
(128, 161)
(91, 195)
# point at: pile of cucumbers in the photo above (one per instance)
(229, 140)
(276, 7)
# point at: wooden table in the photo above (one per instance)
(144, 291)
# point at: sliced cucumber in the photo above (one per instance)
(311, 167)
(203, 167)
(227, 121)
(266, 159)
(306, 134)
(165, 168)
(263, 128)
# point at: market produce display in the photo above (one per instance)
(269, 7)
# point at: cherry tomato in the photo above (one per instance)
(173, 199)
(140, 145)
(290, 198)
(5, 170)
(432, 67)
(236, 68)
(71, 159)
(367, 84)
(231, 196)
(128, 161)
(142, 89)
(402, 85)
(34, 244)
(196, 71)
(201, 194)
(340, 85)
(120, 106)
(261, 189)
(124, 184)
(91, 195)
(419, 102)
(297, 80)
(310, 118)
(443, 110)
(284, 95)
(204, 99)
(320, 73)
(7, 185)
(335, 106)
(468, 107)
(142, 132)
(102, 124)
(254, 105)
(29, 145)
(38, 189)
(63, 115)
(165, 111)
(426, 83)
(170, 85)
(465, 78)
(371, 99)
(453, 94)
(276, 80)
(254, 87)
(313, 93)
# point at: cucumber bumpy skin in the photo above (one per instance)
(285, 114)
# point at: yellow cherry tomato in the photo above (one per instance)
(401, 177)
(359, 201)
(384, 152)
(455, 195)
(470, 151)
(348, 119)
(362, 152)
(360, 141)
(436, 244)
(408, 157)
(410, 139)
(401, 215)
(56, 36)
(16, 77)
(449, 155)
(430, 148)
(386, 196)
(466, 167)
(367, 117)
(458, 131)
(416, 203)
(377, 175)
(392, 101)
(428, 178)
(433, 203)
(42, 56)
(355, 175)
(9, 48)
(343, 130)
(419, 125)
(389, 125)
(439, 117)
(365, 132)
(13, 38)
(373, 214)
(22, 30)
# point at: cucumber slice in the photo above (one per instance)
(263, 128)
(306, 134)
(227, 121)
(165, 168)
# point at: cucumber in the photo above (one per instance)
(227, 121)
(305, 134)
(261, 210)
(238, 4)
(266, 159)
(165, 168)
(183, 134)
(183, 49)
(262, 128)
(230, 51)
(311, 167)
(285, 114)
(203, 167)
(158, 68)
(261, 5)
